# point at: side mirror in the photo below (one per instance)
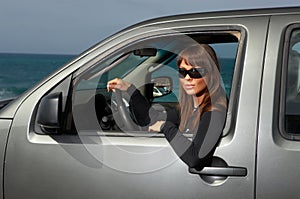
(49, 113)
(161, 86)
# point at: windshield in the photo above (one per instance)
(126, 64)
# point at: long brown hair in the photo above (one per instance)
(201, 55)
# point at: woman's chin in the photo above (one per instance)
(190, 92)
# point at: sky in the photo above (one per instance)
(72, 26)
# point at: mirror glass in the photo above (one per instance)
(161, 86)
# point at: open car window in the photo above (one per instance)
(150, 65)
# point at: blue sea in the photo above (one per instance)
(19, 72)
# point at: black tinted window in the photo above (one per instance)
(292, 88)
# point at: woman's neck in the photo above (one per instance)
(198, 100)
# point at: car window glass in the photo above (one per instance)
(292, 91)
(155, 76)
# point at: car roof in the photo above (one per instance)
(222, 14)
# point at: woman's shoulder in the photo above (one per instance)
(214, 114)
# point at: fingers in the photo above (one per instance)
(112, 85)
(152, 130)
(156, 127)
(117, 83)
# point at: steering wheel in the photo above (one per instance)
(121, 113)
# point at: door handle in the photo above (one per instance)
(220, 171)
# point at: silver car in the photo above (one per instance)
(68, 137)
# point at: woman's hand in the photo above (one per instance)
(156, 126)
(117, 83)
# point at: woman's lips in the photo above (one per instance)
(189, 86)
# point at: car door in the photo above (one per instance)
(278, 140)
(84, 158)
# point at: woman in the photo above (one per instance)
(202, 109)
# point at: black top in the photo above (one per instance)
(195, 152)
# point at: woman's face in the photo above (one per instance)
(192, 86)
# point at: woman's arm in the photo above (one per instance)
(195, 152)
(140, 107)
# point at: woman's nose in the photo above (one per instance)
(187, 77)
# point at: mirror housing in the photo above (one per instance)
(162, 86)
(49, 113)
(150, 52)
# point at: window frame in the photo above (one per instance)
(236, 78)
(283, 76)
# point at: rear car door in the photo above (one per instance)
(86, 157)
(278, 140)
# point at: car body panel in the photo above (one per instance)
(4, 130)
(50, 163)
(278, 163)
(91, 165)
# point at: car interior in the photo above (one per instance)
(151, 66)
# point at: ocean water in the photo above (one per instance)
(227, 68)
(19, 72)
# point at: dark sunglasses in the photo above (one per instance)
(193, 73)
